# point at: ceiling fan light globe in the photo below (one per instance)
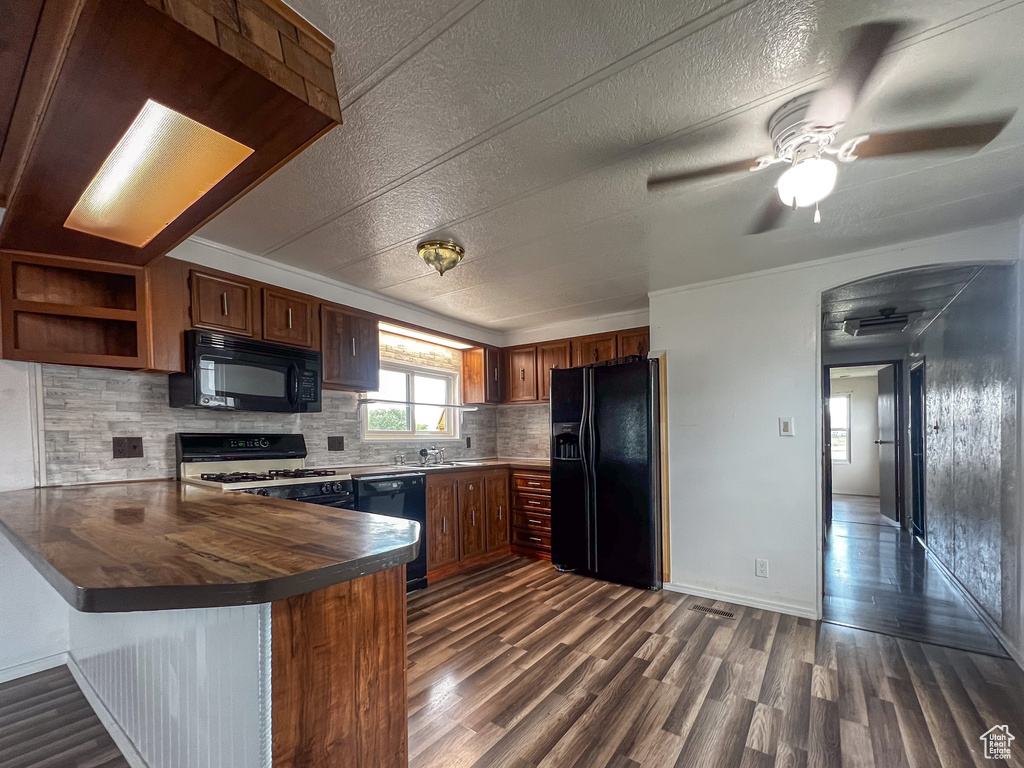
(807, 182)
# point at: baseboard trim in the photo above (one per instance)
(749, 601)
(31, 667)
(972, 601)
(121, 739)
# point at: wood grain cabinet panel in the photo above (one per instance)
(483, 375)
(73, 311)
(495, 378)
(442, 521)
(496, 490)
(351, 350)
(287, 318)
(531, 510)
(221, 304)
(472, 521)
(550, 356)
(634, 342)
(594, 349)
(522, 386)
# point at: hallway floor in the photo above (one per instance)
(878, 577)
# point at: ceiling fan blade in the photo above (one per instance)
(772, 215)
(961, 136)
(659, 182)
(833, 105)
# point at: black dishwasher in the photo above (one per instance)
(399, 496)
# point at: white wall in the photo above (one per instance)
(33, 618)
(739, 491)
(859, 476)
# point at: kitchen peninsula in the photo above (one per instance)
(334, 580)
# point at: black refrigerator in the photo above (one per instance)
(605, 472)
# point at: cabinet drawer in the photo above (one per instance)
(534, 521)
(532, 483)
(528, 503)
(529, 538)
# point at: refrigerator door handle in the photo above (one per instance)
(591, 478)
(585, 464)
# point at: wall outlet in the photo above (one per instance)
(127, 447)
(469, 442)
(761, 569)
(336, 443)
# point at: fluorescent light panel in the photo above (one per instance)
(421, 336)
(160, 167)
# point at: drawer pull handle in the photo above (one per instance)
(533, 483)
(534, 538)
(472, 516)
(499, 511)
(535, 522)
(495, 374)
(289, 318)
(353, 346)
(224, 304)
(444, 525)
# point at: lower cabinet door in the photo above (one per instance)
(472, 524)
(496, 489)
(442, 522)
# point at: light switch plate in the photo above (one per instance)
(786, 426)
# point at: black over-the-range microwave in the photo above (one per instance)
(238, 374)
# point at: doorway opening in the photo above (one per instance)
(879, 573)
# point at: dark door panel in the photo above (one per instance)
(887, 436)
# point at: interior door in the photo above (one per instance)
(826, 448)
(886, 442)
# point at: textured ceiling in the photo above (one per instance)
(926, 290)
(526, 130)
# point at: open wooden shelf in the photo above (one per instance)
(72, 312)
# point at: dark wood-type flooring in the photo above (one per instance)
(518, 665)
(45, 721)
(858, 509)
(879, 577)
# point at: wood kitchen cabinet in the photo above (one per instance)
(634, 342)
(442, 521)
(472, 518)
(531, 513)
(483, 375)
(288, 317)
(498, 511)
(522, 385)
(552, 355)
(221, 303)
(598, 348)
(351, 349)
(55, 309)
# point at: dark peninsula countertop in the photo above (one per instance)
(159, 544)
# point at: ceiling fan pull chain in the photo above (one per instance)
(817, 214)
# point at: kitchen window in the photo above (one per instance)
(839, 411)
(415, 409)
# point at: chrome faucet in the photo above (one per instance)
(426, 454)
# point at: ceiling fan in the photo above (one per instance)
(804, 132)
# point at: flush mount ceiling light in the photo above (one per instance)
(163, 164)
(442, 255)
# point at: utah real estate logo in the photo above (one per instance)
(997, 742)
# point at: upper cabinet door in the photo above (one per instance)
(221, 304)
(351, 350)
(634, 342)
(522, 374)
(287, 318)
(549, 357)
(594, 349)
(494, 371)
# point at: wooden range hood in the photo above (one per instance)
(77, 73)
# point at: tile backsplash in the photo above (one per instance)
(523, 431)
(84, 408)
